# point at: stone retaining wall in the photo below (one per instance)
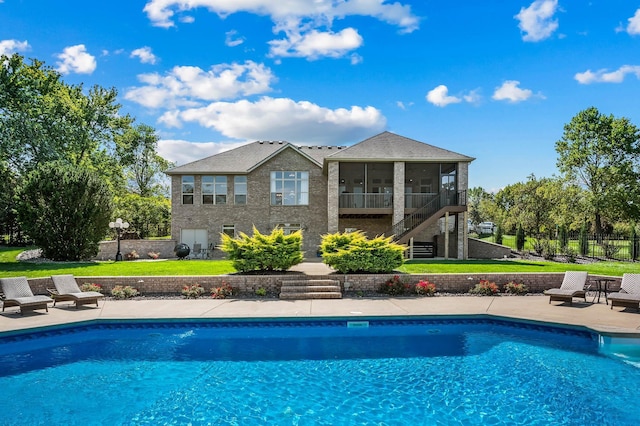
(246, 285)
(480, 249)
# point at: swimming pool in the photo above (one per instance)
(382, 371)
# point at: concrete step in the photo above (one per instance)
(310, 289)
(304, 283)
(311, 295)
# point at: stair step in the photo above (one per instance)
(304, 283)
(311, 295)
(310, 288)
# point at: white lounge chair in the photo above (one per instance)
(629, 294)
(573, 285)
(67, 290)
(18, 293)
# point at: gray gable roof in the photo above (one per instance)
(388, 146)
(247, 157)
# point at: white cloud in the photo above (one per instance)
(232, 39)
(509, 91)
(634, 24)
(300, 20)
(536, 20)
(161, 12)
(315, 44)
(187, 86)
(403, 106)
(473, 97)
(9, 47)
(603, 76)
(76, 59)
(440, 96)
(145, 55)
(284, 119)
(181, 152)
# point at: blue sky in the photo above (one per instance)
(495, 80)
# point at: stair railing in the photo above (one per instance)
(412, 221)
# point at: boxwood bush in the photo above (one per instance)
(353, 252)
(263, 253)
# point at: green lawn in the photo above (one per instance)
(9, 267)
(487, 266)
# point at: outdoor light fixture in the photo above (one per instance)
(119, 226)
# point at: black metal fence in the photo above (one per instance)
(597, 246)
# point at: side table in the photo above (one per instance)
(602, 287)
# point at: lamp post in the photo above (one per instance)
(119, 226)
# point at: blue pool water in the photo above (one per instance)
(324, 372)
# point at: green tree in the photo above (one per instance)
(137, 151)
(499, 234)
(146, 215)
(8, 183)
(602, 153)
(520, 238)
(65, 210)
(634, 243)
(477, 204)
(43, 119)
(583, 240)
(563, 238)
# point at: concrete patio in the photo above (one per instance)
(596, 316)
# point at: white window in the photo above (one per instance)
(214, 190)
(289, 228)
(240, 189)
(229, 230)
(289, 188)
(188, 186)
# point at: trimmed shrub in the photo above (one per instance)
(124, 292)
(485, 288)
(353, 252)
(264, 253)
(425, 288)
(225, 290)
(513, 287)
(393, 286)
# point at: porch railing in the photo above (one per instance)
(366, 201)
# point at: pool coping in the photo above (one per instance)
(595, 317)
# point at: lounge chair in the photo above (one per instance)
(18, 293)
(67, 290)
(573, 285)
(629, 294)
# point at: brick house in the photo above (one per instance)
(387, 184)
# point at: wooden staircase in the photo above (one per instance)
(310, 289)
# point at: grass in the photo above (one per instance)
(517, 266)
(9, 267)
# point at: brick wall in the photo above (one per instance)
(246, 285)
(258, 211)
